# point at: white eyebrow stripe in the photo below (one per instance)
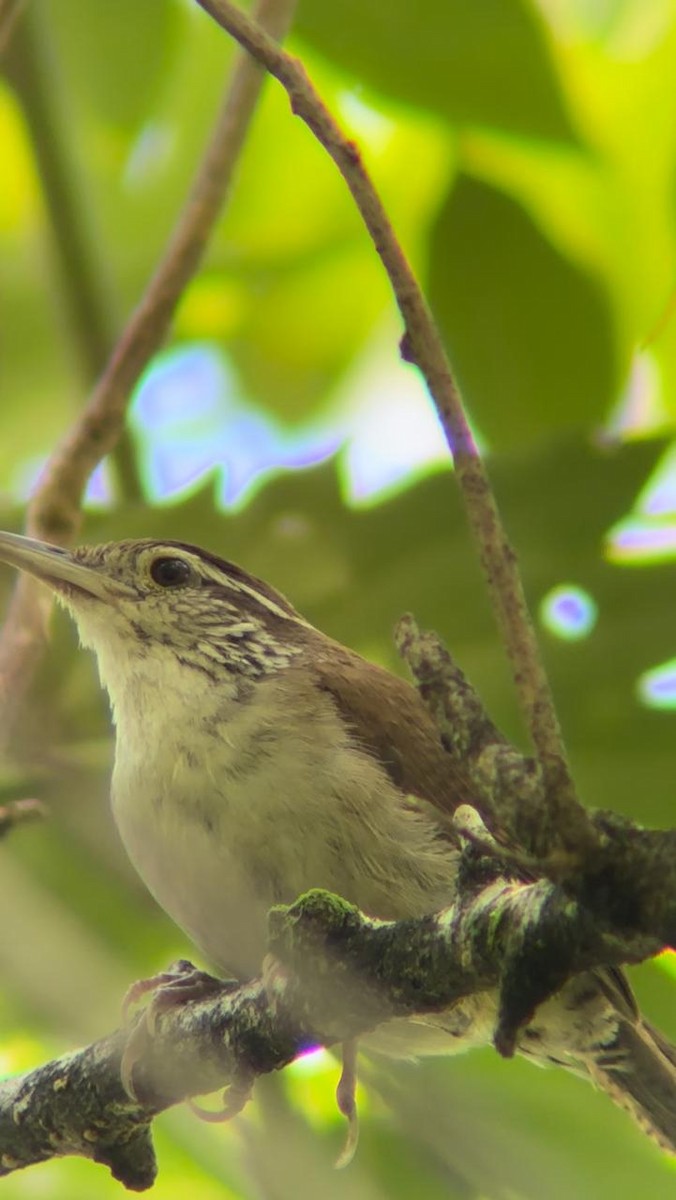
(236, 585)
(267, 603)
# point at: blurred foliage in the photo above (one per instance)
(525, 150)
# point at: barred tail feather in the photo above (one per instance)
(639, 1073)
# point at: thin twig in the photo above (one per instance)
(9, 15)
(422, 345)
(54, 512)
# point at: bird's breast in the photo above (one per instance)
(250, 803)
(196, 814)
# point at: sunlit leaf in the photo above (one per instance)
(485, 63)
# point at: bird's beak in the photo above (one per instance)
(58, 568)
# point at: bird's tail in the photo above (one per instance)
(638, 1071)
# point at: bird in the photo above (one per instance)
(257, 758)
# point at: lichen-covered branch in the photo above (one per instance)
(422, 345)
(626, 876)
(629, 883)
(76, 1105)
(343, 974)
(54, 512)
(508, 786)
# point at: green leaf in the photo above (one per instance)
(529, 333)
(481, 63)
(116, 56)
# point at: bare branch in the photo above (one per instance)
(54, 512)
(422, 344)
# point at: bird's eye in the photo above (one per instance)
(170, 572)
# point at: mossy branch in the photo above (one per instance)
(342, 974)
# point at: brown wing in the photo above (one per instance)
(390, 721)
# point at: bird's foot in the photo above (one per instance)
(180, 984)
(347, 1102)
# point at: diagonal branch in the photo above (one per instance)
(422, 344)
(54, 512)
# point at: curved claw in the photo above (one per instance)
(235, 1098)
(140, 988)
(347, 1103)
(137, 1043)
